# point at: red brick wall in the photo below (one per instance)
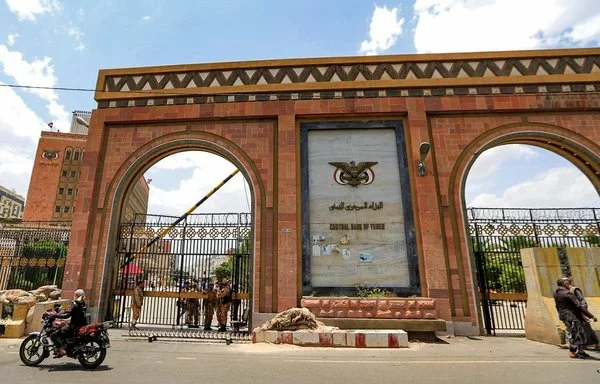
(43, 185)
(268, 151)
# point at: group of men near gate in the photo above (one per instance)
(218, 297)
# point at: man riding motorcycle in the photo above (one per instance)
(78, 319)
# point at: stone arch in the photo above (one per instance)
(142, 159)
(579, 150)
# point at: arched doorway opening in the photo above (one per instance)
(523, 190)
(165, 248)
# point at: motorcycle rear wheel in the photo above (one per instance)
(92, 356)
(32, 351)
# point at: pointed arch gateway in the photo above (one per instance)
(495, 236)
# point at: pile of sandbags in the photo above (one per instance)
(19, 296)
(294, 319)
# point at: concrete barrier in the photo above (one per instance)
(370, 338)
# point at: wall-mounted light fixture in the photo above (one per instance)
(423, 151)
(81, 121)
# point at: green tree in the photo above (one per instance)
(223, 271)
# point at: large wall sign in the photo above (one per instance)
(357, 216)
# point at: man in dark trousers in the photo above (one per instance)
(77, 316)
(573, 314)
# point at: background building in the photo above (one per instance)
(56, 172)
(11, 204)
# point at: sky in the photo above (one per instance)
(63, 43)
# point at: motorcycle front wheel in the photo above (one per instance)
(32, 351)
(92, 355)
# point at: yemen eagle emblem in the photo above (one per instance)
(353, 174)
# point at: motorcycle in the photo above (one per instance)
(88, 345)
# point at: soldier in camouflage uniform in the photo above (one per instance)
(193, 307)
(224, 301)
(209, 304)
(138, 301)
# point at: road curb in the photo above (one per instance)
(344, 339)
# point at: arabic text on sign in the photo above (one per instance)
(353, 207)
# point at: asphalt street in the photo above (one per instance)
(485, 360)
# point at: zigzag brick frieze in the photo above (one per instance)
(354, 72)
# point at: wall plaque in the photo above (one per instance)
(356, 217)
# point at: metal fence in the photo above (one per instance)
(199, 248)
(498, 235)
(33, 254)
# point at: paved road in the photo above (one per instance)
(461, 360)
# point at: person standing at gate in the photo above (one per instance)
(590, 335)
(193, 310)
(573, 314)
(138, 301)
(224, 301)
(209, 303)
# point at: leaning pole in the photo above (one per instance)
(130, 256)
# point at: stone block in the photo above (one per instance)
(325, 303)
(327, 313)
(354, 304)
(383, 305)
(311, 303)
(340, 303)
(258, 337)
(271, 337)
(368, 304)
(428, 314)
(339, 339)
(413, 314)
(369, 314)
(286, 337)
(355, 313)
(384, 314)
(397, 304)
(306, 338)
(411, 304)
(325, 339)
(14, 329)
(425, 304)
(342, 313)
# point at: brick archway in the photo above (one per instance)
(251, 112)
(580, 150)
(149, 154)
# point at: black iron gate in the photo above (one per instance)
(33, 254)
(498, 235)
(199, 249)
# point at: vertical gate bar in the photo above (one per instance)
(535, 233)
(479, 255)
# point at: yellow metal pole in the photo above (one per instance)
(130, 256)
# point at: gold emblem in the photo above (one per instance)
(353, 174)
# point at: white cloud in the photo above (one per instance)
(29, 9)
(77, 36)
(384, 30)
(490, 161)
(38, 72)
(146, 18)
(182, 160)
(20, 129)
(12, 39)
(15, 171)
(557, 187)
(491, 25)
(208, 171)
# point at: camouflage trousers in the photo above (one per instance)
(222, 310)
(209, 311)
(192, 310)
(135, 311)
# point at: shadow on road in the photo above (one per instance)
(70, 367)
